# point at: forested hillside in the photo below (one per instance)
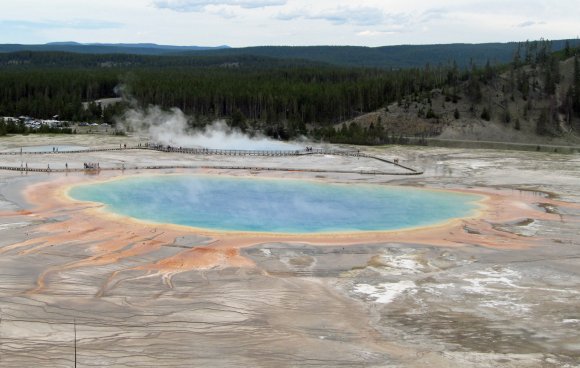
(393, 57)
(287, 97)
(388, 57)
(533, 99)
(320, 96)
(262, 89)
(35, 60)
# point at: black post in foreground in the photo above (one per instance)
(75, 328)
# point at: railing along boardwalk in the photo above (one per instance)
(222, 152)
(18, 153)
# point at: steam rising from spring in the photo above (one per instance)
(170, 128)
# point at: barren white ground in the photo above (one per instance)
(380, 305)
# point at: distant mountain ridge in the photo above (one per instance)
(385, 57)
(138, 45)
(392, 57)
(107, 48)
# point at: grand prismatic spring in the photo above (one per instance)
(322, 260)
(283, 206)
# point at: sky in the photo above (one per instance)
(240, 23)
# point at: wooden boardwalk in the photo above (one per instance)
(220, 152)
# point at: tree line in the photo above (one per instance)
(12, 127)
(280, 98)
(299, 95)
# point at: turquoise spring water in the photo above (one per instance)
(275, 205)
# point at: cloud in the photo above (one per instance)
(529, 23)
(200, 5)
(434, 14)
(360, 16)
(370, 33)
(72, 24)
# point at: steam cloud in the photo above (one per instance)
(170, 128)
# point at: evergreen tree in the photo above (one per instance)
(576, 86)
(567, 49)
(523, 83)
(516, 63)
(238, 120)
(485, 115)
(474, 86)
(568, 105)
(507, 117)
(489, 72)
(551, 75)
(542, 123)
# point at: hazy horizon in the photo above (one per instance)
(57, 42)
(246, 23)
